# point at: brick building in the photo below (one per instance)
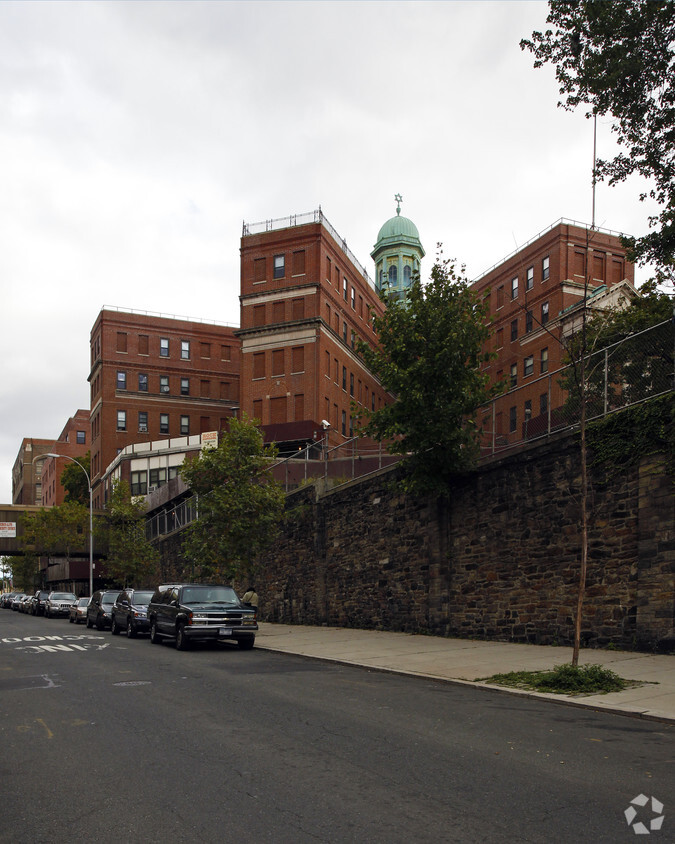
(536, 296)
(304, 301)
(155, 377)
(73, 441)
(27, 471)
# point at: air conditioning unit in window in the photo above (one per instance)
(151, 489)
(143, 429)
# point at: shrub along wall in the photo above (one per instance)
(499, 559)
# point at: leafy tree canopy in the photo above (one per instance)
(74, 481)
(131, 559)
(24, 572)
(619, 58)
(240, 504)
(53, 530)
(429, 357)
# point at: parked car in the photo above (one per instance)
(38, 602)
(188, 612)
(6, 600)
(99, 609)
(129, 612)
(26, 605)
(15, 603)
(58, 603)
(78, 611)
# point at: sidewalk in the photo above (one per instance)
(465, 661)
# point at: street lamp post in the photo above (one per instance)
(91, 518)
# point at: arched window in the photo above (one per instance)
(393, 275)
(406, 275)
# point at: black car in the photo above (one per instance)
(38, 602)
(129, 612)
(99, 611)
(188, 612)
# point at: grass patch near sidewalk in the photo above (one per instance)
(565, 680)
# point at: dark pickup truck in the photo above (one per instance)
(191, 612)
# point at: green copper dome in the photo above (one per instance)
(398, 232)
(398, 227)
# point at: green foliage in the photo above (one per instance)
(429, 357)
(56, 530)
(24, 572)
(240, 505)
(565, 680)
(131, 559)
(635, 366)
(621, 439)
(617, 58)
(75, 482)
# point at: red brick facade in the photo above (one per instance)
(73, 441)
(532, 297)
(156, 377)
(304, 301)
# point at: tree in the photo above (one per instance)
(131, 559)
(429, 357)
(53, 530)
(619, 58)
(74, 481)
(24, 572)
(239, 503)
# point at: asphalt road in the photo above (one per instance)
(104, 739)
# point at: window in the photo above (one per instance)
(157, 477)
(299, 262)
(226, 352)
(514, 374)
(121, 420)
(259, 365)
(259, 269)
(205, 350)
(298, 309)
(121, 341)
(142, 421)
(344, 423)
(351, 384)
(353, 339)
(142, 382)
(544, 313)
(528, 321)
(225, 390)
(143, 344)
(529, 278)
(185, 349)
(81, 437)
(528, 365)
(163, 425)
(514, 329)
(393, 275)
(543, 404)
(326, 371)
(185, 426)
(164, 347)
(185, 386)
(258, 315)
(353, 299)
(344, 378)
(545, 268)
(278, 311)
(407, 274)
(513, 419)
(544, 360)
(345, 289)
(344, 331)
(279, 266)
(514, 288)
(328, 269)
(205, 388)
(139, 483)
(163, 383)
(500, 338)
(372, 401)
(121, 380)
(277, 362)
(500, 296)
(298, 359)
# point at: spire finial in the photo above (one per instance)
(399, 200)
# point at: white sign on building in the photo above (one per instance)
(8, 529)
(210, 439)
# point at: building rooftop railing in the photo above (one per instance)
(169, 316)
(562, 221)
(303, 220)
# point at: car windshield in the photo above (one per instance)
(83, 602)
(109, 597)
(63, 596)
(141, 598)
(209, 595)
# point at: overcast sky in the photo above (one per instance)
(135, 138)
